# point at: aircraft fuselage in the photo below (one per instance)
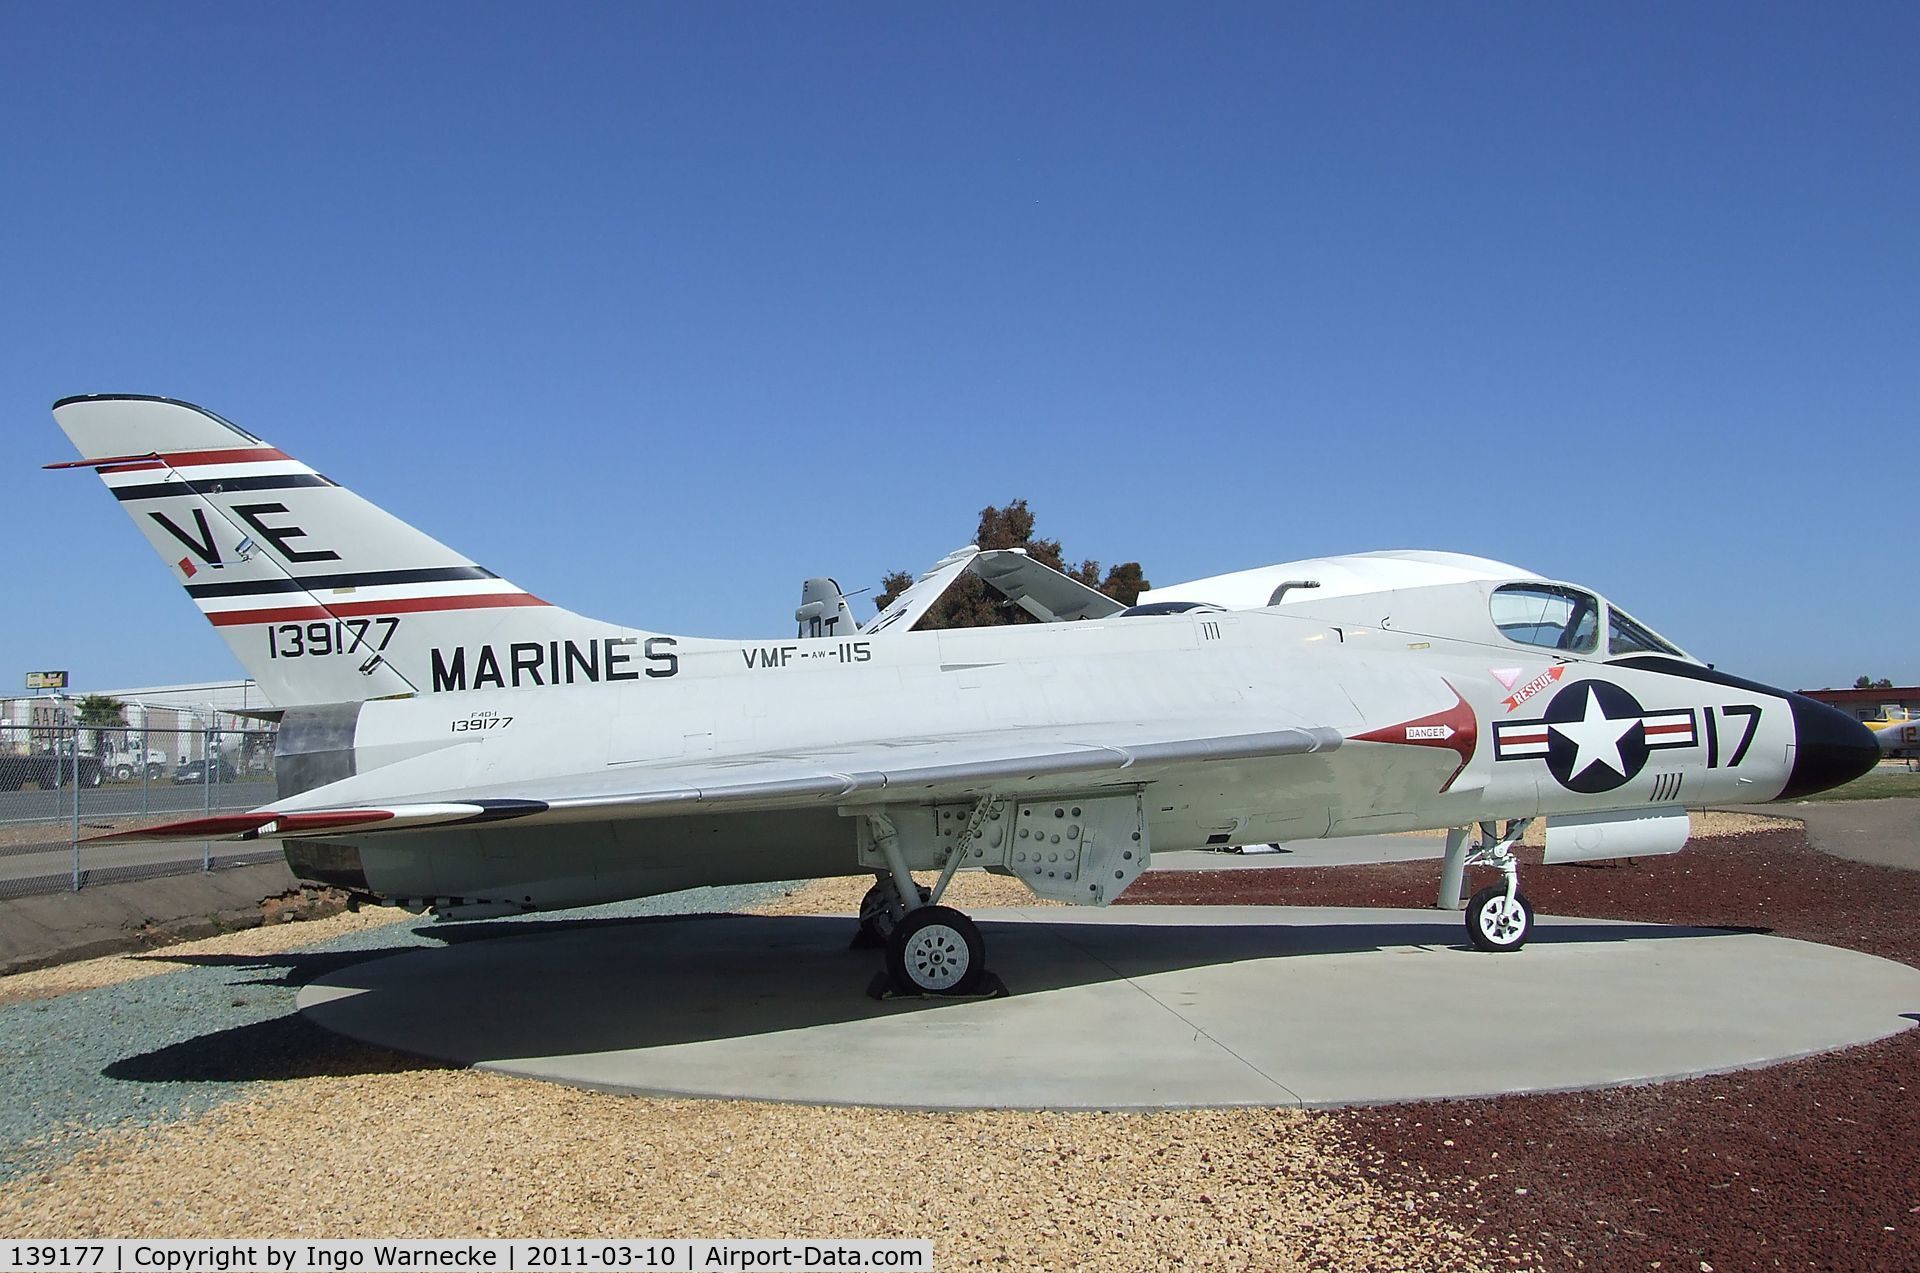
(1420, 732)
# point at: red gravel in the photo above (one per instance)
(1811, 1164)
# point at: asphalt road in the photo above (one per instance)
(116, 800)
(1883, 832)
(36, 853)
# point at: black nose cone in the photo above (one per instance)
(1829, 748)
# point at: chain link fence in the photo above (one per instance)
(63, 784)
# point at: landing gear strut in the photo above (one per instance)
(1499, 918)
(931, 949)
(878, 914)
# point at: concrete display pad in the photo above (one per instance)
(1136, 1007)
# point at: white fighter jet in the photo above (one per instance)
(450, 742)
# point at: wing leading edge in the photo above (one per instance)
(913, 771)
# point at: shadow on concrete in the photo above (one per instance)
(611, 986)
(502, 990)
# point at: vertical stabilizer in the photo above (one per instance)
(823, 610)
(322, 596)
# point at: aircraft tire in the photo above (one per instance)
(872, 907)
(1492, 927)
(876, 914)
(936, 950)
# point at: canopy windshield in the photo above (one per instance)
(1548, 615)
(1626, 636)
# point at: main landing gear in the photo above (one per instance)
(1499, 917)
(936, 950)
(931, 949)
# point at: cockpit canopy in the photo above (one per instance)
(1413, 592)
(1554, 616)
(1166, 607)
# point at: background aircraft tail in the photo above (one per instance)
(324, 597)
(823, 610)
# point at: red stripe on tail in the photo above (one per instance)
(353, 609)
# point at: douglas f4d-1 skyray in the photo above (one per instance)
(450, 742)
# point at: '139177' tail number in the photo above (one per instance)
(330, 636)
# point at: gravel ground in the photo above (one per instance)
(148, 1048)
(229, 1116)
(1808, 1165)
(471, 1154)
(238, 1119)
(112, 970)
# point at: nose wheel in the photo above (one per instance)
(1498, 920)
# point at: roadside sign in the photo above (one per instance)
(46, 680)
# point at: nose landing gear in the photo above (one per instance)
(1496, 921)
(1499, 918)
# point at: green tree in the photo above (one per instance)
(1868, 683)
(970, 603)
(890, 588)
(100, 712)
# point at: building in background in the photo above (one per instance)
(1870, 704)
(167, 726)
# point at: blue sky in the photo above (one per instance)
(657, 309)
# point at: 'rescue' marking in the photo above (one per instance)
(1535, 686)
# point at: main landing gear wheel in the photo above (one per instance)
(876, 916)
(936, 950)
(1495, 923)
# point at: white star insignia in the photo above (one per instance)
(1595, 737)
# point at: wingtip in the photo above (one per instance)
(217, 826)
(70, 399)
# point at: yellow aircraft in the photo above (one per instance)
(1898, 729)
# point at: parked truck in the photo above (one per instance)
(125, 764)
(46, 760)
(38, 744)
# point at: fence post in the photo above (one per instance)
(75, 832)
(207, 750)
(146, 753)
